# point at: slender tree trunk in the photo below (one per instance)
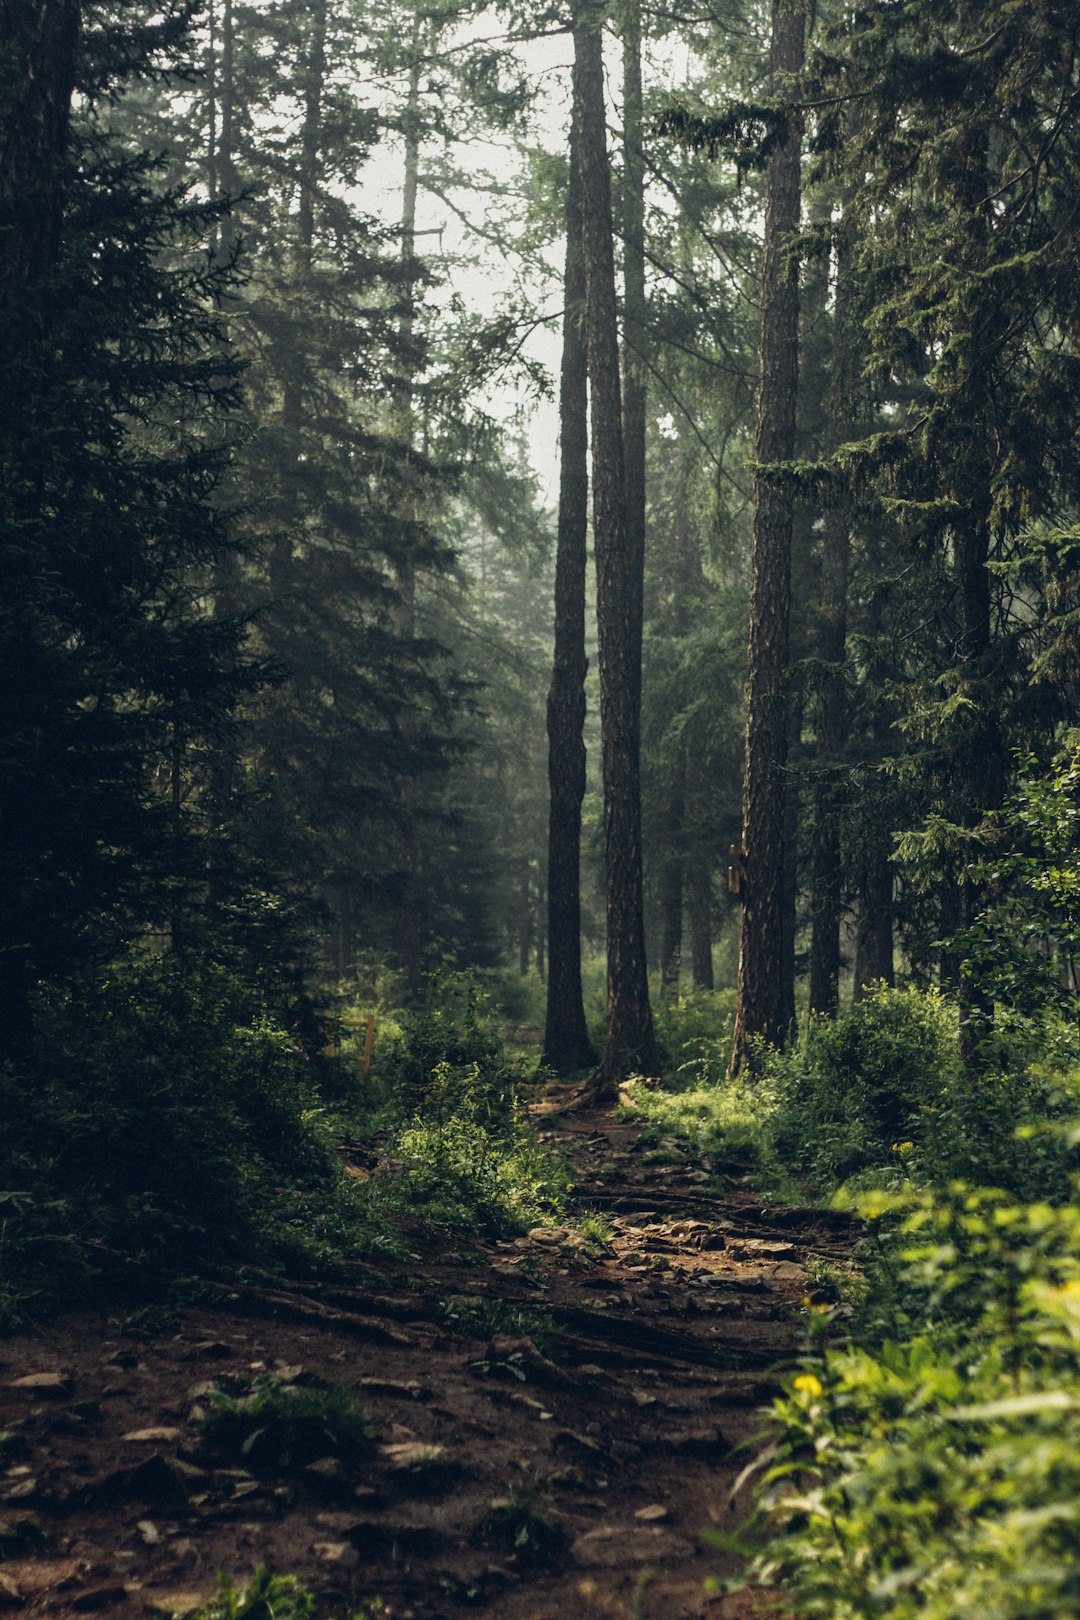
(566, 1039)
(874, 926)
(980, 768)
(310, 139)
(699, 906)
(38, 48)
(619, 587)
(230, 594)
(672, 872)
(408, 935)
(826, 881)
(635, 328)
(760, 1014)
(541, 925)
(792, 807)
(525, 916)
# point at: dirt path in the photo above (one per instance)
(555, 1428)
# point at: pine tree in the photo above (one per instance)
(630, 1043)
(760, 1013)
(566, 1039)
(108, 523)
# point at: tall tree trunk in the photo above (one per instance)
(980, 768)
(874, 925)
(525, 915)
(566, 1039)
(310, 141)
(790, 909)
(619, 588)
(699, 906)
(230, 596)
(408, 934)
(635, 329)
(826, 880)
(672, 873)
(38, 49)
(760, 1014)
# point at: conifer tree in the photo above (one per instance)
(630, 1042)
(108, 520)
(760, 1014)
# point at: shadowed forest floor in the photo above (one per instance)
(553, 1424)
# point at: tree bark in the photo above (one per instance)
(790, 910)
(38, 51)
(38, 48)
(699, 906)
(874, 928)
(980, 768)
(619, 589)
(408, 937)
(672, 873)
(635, 329)
(826, 880)
(760, 1013)
(566, 1038)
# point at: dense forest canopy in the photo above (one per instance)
(284, 290)
(541, 549)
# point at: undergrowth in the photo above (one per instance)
(164, 1122)
(460, 1155)
(924, 1461)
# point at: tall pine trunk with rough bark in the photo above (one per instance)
(832, 716)
(566, 1038)
(408, 940)
(38, 47)
(635, 329)
(760, 1013)
(630, 1044)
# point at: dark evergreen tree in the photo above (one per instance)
(630, 1042)
(760, 1013)
(566, 1039)
(114, 438)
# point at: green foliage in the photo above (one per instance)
(159, 1120)
(463, 1175)
(695, 1033)
(1022, 949)
(519, 1525)
(447, 1044)
(724, 1117)
(275, 1427)
(853, 1087)
(937, 1475)
(267, 1597)
(461, 1157)
(596, 1228)
(119, 403)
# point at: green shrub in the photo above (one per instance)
(453, 1029)
(695, 1033)
(267, 1597)
(160, 1120)
(854, 1086)
(728, 1118)
(457, 1173)
(462, 1158)
(939, 1475)
(276, 1427)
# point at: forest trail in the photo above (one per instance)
(555, 1425)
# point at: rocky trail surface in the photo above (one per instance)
(553, 1425)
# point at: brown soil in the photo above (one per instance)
(614, 1441)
